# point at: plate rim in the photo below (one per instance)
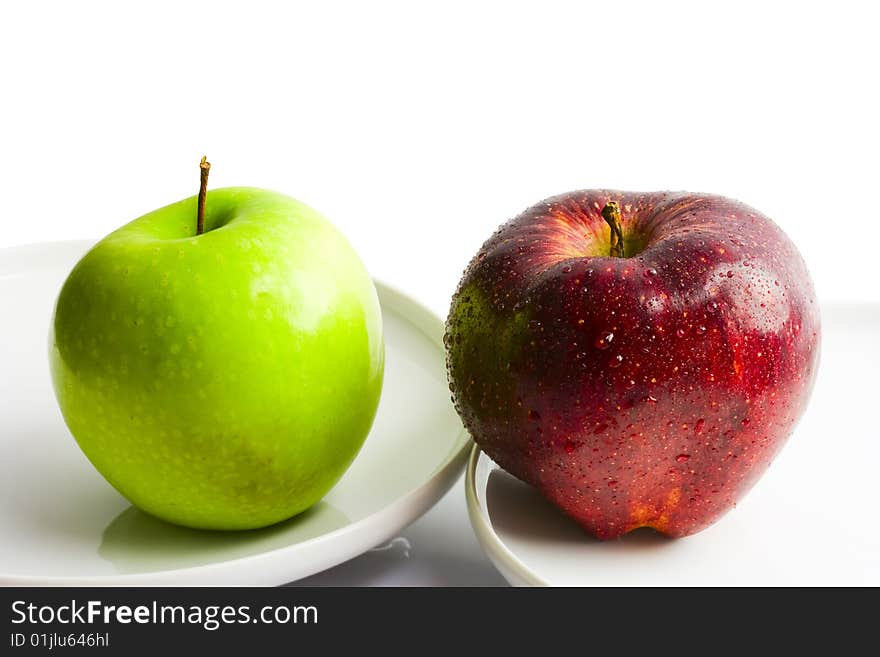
(508, 564)
(364, 533)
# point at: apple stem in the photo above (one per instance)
(611, 215)
(204, 169)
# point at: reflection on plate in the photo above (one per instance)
(136, 541)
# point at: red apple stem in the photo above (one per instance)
(204, 169)
(611, 215)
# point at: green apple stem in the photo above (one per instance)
(611, 215)
(204, 169)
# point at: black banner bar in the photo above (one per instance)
(125, 621)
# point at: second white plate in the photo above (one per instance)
(809, 521)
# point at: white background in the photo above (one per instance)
(418, 129)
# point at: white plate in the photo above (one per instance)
(61, 523)
(811, 520)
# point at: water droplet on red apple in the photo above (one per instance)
(612, 483)
(651, 272)
(680, 333)
(681, 458)
(745, 422)
(566, 269)
(698, 427)
(712, 306)
(615, 362)
(603, 341)
(570, 446)
(700, 330)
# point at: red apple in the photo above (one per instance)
(650, 387)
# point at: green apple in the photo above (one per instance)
(224, 380)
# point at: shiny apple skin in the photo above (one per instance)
(651, 390)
